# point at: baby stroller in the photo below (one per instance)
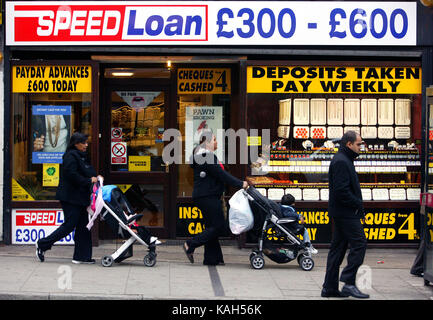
(277, 235)
(119, 216)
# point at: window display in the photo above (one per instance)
(306, 127)
(45, 114)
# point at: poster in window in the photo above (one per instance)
(51, 130)
(196, 120)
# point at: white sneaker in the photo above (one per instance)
(154, 240)
(309, 247)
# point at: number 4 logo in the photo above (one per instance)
(410, 230)
(223, 82)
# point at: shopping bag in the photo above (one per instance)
(240, 215)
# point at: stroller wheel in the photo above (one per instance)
(257, 261)
(306, 263)
(107, 261)
(149, 260)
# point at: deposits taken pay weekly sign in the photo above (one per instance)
(332, 79)
(211, 23)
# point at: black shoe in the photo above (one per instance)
(326, 293)
(39, 253)
(188, 255)
(90, 261)
(353, 291)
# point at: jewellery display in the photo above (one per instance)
(318, 111)
(402, 112)
(335, 111)
(285, 111)
(335, 132)
(351, 111)
(385, 132)
(318, 132)
(402, 132)
(284, 132)
(301, 132)
(301, 111)
(369, 132)
(369, 112)
(385, 110)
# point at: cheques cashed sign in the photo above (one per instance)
(211, 23)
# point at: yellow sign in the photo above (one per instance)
(254, 141)
(50, 174)
(328, 79)
(203, 81)
(19, 193)
(124, 187)
(139, 163)
(59, 78)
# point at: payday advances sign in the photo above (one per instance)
(331, 79)
(54, 78)
(260, 23)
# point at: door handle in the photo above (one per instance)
(167, 167)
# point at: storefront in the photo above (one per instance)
(267, 79)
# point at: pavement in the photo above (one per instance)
(384, 275)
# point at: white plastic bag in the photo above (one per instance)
(240, 215)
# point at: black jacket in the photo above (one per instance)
(213, 179)
(75, 184)
(345, 198)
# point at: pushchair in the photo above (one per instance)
(277, 235)
(119, 216)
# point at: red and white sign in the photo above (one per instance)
(116, 134)
(118, 153)
(30, 225)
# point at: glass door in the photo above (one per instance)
(132, 146)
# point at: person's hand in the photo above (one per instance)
(38, 144)
(245, 185)
(94, 179)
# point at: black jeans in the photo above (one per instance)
(213, 215)
(346, 232)
(75, 218)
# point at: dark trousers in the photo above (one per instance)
(346, 232)
(75, 218)
(213, 216)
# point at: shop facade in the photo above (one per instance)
(278, 88)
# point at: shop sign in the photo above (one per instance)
(50, 174)
(60, 78)
(19, 193)
(139, 163)
(30, 225)
(260, 23)
(332, 79)
(380, 226)
(203, 81)
(118, 153)
(189, 221)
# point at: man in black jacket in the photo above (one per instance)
(346, 209)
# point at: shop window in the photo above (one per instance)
(308, 109)
(204, 99)
(46, 110)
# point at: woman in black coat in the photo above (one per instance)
(76, 179)
(209, 181)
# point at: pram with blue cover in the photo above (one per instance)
(119, 216)
(277, 235)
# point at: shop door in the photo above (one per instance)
(131, 150)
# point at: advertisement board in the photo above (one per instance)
(30, 225)
(218, 23)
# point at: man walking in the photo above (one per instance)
(346, 209)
